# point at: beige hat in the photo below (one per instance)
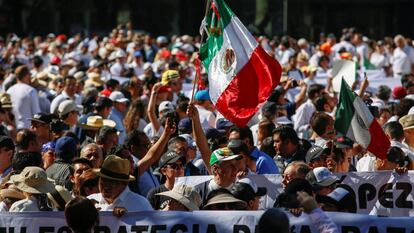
(94, 79)
(59, 196)
(5, 100)
(33, 180)
(11, 192)
(115, 168)
(97, 122)
(224, 198)
(184, 194)
(407, 121)
(68, 106)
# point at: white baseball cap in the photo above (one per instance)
(118, 97)
(165, 105)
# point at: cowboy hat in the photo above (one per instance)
(97, 122)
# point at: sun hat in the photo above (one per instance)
(407, 121)
(222, 154)
(5, 100)
(115, 168)
(94, 79)
(11, 192)
(59, 196)
(33, 180)
(97, 122)
(223, 197)
(68, 106)
(185, 195)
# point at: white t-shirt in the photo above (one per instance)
(400, 63)
(25, 103)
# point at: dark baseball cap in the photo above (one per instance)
(44, 118)
(246, 189)
(103, 101)
(313, 153)
(341, 198)
(169, 158)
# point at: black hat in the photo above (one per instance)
(246, 189)
(342, 198)
(212, 133)
(169, 158)
(6, 142)
(44, 118)
(289, 198)
(313, 153)
(103, 101)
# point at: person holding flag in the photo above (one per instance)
(241, 74)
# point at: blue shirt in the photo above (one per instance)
(118, 117)
(264, 163)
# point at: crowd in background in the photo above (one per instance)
(107, 122)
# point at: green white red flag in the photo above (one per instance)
(355, 121)
(241, 74)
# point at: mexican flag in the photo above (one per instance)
(355, 121)
(241, 74)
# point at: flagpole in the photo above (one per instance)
(201, 42)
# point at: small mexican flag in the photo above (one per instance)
(241, 74)
(355, 121)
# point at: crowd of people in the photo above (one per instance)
(109, 123)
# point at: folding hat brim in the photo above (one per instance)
(231, 157)
(11, 194)
(43, 188)
(100, 174)
(183, 200)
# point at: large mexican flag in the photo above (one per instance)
(241, 74)
(355, 121)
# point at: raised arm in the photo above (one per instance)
(155, 152)
(151, 107)
(199, 136)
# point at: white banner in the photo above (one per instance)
(196, 222)
(378, 193)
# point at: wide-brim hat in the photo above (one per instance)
(224, 198)
(179, 194)
(115, 168)
(97, 122)
(11, 192)
(5, 100)
(94, 79)
(407, 121)
(33, 180)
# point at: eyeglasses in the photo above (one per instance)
(176, 166)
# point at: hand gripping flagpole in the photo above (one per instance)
(197, 60)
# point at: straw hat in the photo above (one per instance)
(94, 79)
(115, 168)
(59, 196)
(33, 180)
(97, 122)
(11, 192)
(5, 100)
(185, 195)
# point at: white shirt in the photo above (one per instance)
(343, 44)
(301, 119)
(207, 118)
(400, 62)
(138, 69)
(62, 97)
(366, 163)
(379, 60)
(3, 207)
(117, 69)
(283, 56)
(127, 199)
(150, 132)
(25, 205)
(25, 103)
